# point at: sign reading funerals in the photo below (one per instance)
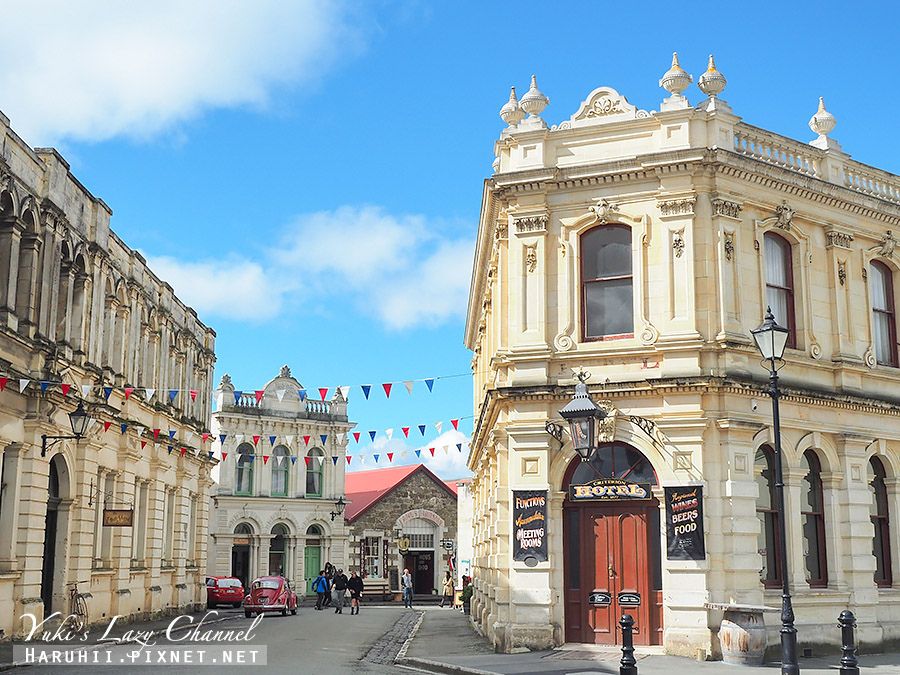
(609, 489)
(684, 523)
(530, 526)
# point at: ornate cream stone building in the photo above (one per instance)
(80, 311)
(643, 247)
(279, 483)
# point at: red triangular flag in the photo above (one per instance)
(356, 436)
(431, 450)
(3, 381)
(323, 392)
(182, 451)
(306, 440)
(406, 431)
(65, 388)
(387, 389)
(307, 460)
(256, 440)
(224, 455)
(193, 395)
(259, 395)
(106, 426)
(205, 437)
(143, 444)
(348, 459)
(265, 459)
(128, 392)
(455, 424)
(155, 433)
(390, 456)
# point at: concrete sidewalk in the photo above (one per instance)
(446, 642)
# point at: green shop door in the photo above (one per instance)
(312, 563)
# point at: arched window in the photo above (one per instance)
(277, 548)
(315, 458)
(780, 282)
(280, 471)
(878, 511)
(767, 511)
(813, 516)
(243, 470)
(615, 460)
(607, 282)
(884, 323)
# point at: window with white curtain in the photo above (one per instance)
(884, 324)
(780, 283)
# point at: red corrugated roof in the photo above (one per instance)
(364, 488)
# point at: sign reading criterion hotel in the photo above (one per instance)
(609, 489)
(684, 523)
(530, 526)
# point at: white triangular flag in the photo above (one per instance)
(408, 384)
(91, 423)
(85, 390)
(22, 385)
(344, 391)
(438, 425)
(362, 459)
(403, 454)
(446, 449)
(190, 436)
(148, 393)
(239, 438)
(140, 431)
(389, 433)
(280, 394)
(341, 438)
(289, 439)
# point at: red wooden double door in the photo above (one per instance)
(613, 567)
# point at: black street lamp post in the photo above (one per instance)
(771, 339)
(79, 419)
(339, 507)
(583, 416)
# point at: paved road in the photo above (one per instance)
(311, 642)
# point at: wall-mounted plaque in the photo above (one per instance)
(530, 526)
(684, 523)
(601, 599)
(609, 489)
(118, 517)
(629, 599)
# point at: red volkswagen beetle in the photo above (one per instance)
(270, 594)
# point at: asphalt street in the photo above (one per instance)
(311, 642)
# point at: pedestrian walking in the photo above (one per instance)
(340, 582)
(329, 578)
(447, 593)
(406, 586)
(320, 586)
(467, 592)
(355, 585)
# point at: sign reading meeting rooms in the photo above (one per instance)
(530, 526)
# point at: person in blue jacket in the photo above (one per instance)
(320, 586)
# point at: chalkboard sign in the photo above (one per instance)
(530, 526)
(684, 523)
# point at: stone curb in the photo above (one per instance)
(93, 648)
(440, 667)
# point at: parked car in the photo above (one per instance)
(224, 591)
(270, 594)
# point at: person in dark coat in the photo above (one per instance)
(340, 582)
(329, 578)
(355, 585)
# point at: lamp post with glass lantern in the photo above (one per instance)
(583, 416)
(79, 419)
(771, 339)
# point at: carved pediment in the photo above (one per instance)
(603, 105)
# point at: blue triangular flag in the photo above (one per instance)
(210, 454)
(422, 429)
(44, 386)
(324, 438)
(170, 449)
(459, 446)
(376, 458)
(252, 457)
(418, 453)
(124, 427)
(107, 391)
(302, 393)
(171, 434)
(293, 459)
(172, 394)
(366, 388)
(334, 459)
(272, 439)
(430, 383)
(222, 438)
(237, 396)
(372, 434)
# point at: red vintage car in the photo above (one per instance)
(225, 591)
(270, 594)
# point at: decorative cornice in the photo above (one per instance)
(727, 208)
(677, 207)
(838, 239)
(531, 224)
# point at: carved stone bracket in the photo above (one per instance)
(677, 207)
(886, 246)
(785, 215)
(727, 208)
(531, 224)
(839, 239)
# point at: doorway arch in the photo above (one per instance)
(56, 526)
(312, 556)
(240, 554)
(611, 542)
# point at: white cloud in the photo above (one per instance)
(97, 69)
(233, 288)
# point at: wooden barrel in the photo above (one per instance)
(742, 636)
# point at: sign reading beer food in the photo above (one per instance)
(684, 523)
(609, 489)
(530, 525)
(118, 518)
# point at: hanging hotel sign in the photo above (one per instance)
(609, 489)
(684, 523)
(530, 526)
(118, 518)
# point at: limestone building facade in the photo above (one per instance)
(643, 247)
(83, 319)
(279, 482)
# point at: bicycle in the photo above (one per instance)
(78, 609)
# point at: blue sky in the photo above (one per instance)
(308, 175)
